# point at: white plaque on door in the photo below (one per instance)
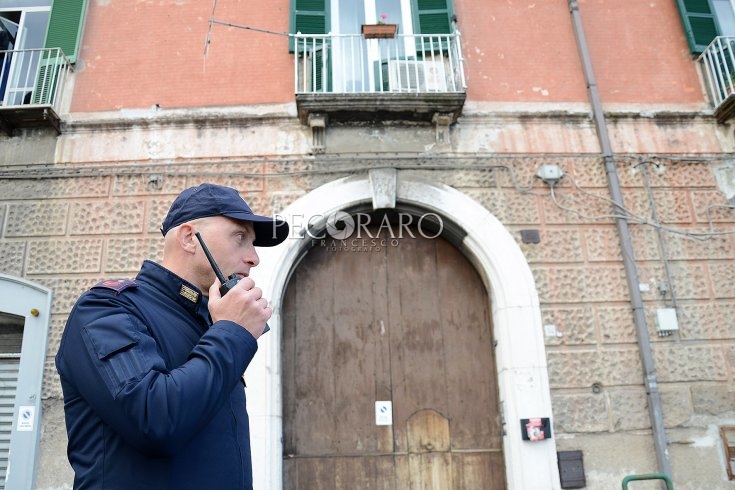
(383, 413)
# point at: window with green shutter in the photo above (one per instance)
(699, 21)
(432, 16)
(65, 26)
(308, 17)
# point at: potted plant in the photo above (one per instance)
(380, 30)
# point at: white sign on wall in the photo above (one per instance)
(26, 417)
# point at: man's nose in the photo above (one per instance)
(251, 256)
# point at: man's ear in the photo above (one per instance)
(186, 238)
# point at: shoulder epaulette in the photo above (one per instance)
(117, 285)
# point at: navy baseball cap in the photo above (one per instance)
(207, 200)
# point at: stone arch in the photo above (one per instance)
(520, 353)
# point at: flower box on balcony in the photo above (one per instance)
(379, 31)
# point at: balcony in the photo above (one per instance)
(352, 78)
(31, 84)
(718, 61)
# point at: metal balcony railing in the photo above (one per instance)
(32, 77)
(719, 69)
(352, 64)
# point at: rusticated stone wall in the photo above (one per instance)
(66, 227)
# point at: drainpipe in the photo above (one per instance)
(644, 342)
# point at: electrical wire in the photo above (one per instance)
(630, 216)
(250, 28)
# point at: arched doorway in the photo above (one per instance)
(388, 368)
(516, 316)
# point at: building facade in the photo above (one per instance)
(512, 226)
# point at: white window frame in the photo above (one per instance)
(373, 49)
(33, 302)
(725, 26)
(21, 67)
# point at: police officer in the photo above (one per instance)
(151, 369)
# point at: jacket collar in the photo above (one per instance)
(175, 288)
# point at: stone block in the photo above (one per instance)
(126, 255)
(281, 200)
(681, 247)
(628, 171)
(519, 173)
(581, 369)
(157, 209)
(713, 399)
(64, 256)
(574, 413)
(588, 172)
(711, 206)
(279, 178)
(36, 219)
(680, 363)
(259, 202)
(556, 246)
(570, 205)
(292, 169)
(510, 207)
(687, 175)
(676, 404)
(152, 181)
(706, 321)
(12, 255)
(722, 274)
(578, 284)
(671, 206)
(602, 244)
(66, 291)
(616, 324)
(23, 190)
(555, 285)
(106, 217)
(690, 279)
(576, 325)
(462, 179)
(645, 242)
(628, 409)
(246, 178)
(730, 357)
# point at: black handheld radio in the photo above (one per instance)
(225, 284)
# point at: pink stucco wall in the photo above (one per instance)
(138, 54)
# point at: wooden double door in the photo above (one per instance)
(407, 323)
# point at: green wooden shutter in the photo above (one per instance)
(432, 16)
(699, 22)
(308, 17)
(65, 26)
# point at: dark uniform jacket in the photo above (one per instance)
(153, 391)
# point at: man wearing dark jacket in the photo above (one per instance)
(151, 368)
